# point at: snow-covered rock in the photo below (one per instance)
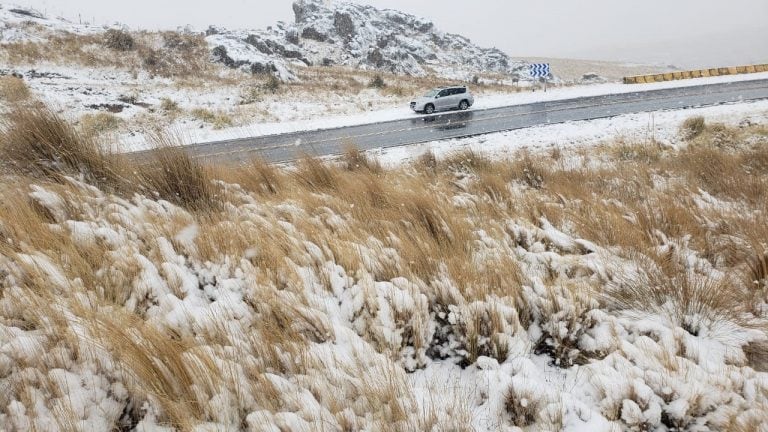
(324, 33)
(359, 36)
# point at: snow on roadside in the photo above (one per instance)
(137, 142)
(661, 126)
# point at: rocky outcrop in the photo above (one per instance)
(364, 37)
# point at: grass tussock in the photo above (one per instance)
(377, 82)
(119, 40)
(219, 120)
(13, 89)
(99, 123)
(257, 176)
(36, 141)
(355, 160)
(693, 127)
(171, 174)
(315, 175)
(169, 105)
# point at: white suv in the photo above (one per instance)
(444, 98)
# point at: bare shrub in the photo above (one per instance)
(119, 40)
(377, 82)
(693, 127)
(169, 105)
(273, 84)
(523, 406)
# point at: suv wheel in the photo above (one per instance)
(463, 105)
(429, 109)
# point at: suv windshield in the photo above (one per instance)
(432, 93)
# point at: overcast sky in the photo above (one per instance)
(681, 32)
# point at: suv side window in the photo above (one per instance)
(444, 93)
(461, 90)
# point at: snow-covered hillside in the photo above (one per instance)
(20, 24)
(328, 33)
(323, 34)
(221, 80)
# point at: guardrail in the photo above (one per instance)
(699, 73)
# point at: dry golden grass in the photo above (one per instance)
(13, 89)
(169, 105)
(179, 55)
(219, 120)
(99, 123)
(355, 160)
(256, 176)
(23, 224)
(459, 229)
(171, 174)
(36, 141)
(693, 127)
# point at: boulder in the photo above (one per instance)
(344, 26)
(314, 34)
(263, 68)
(302, 9)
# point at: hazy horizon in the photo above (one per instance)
(685, 33)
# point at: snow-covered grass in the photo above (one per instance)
(13, 89)
(620, 287)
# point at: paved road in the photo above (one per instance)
(419, 128)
